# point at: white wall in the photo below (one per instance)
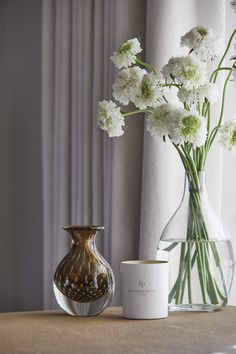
(228, 210)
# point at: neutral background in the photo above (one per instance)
(58, 167)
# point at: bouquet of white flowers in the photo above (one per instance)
(187, 126)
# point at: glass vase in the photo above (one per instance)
(83, 282)
(200, 252)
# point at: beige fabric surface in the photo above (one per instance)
(56, 332)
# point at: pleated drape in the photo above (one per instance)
(83, 170)
(131, 184)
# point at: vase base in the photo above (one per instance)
(195, 307)
(85, 309)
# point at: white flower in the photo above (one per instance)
(109, 118)
(160, 121)
(189, 127)
(127, 84)
(233, 5)
(208, 91)
(149, 94)
(126, 54)
(186, 71)
(228, 135)
(203, 42)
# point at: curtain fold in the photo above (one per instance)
(87, 177)
(56, 121)
(132, 184)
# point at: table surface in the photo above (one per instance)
(109, 333)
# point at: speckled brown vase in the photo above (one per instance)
(83, 281)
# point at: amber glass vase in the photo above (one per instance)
(83, 282)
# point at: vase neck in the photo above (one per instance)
(83, 234)
(195, 182)
(195, 188)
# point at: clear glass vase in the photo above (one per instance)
(200, 252)
(83, 282)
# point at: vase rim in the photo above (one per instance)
(83, 227)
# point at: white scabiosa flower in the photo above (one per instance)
(227, 135)
(127, 84)
(209, 91)
(126, 54)
(109, 118)
(149, 94)
(191, 128)
(203, 42)
(186, 71)
(161, 120)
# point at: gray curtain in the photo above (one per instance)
(88, 178)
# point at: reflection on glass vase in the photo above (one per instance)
(83, 282)
(201, 258)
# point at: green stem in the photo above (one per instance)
(218, 263)
(183, 285)
(200, 260)
(126, 114)
(171, 85)
(146, 65)
(171, 247)
(214, 132)
(173, 290)
(189, 272)
(225, 53)
(181, 271)
(208, 112)
(165, 99)
(217, 71)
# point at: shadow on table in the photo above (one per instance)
(60, 314)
